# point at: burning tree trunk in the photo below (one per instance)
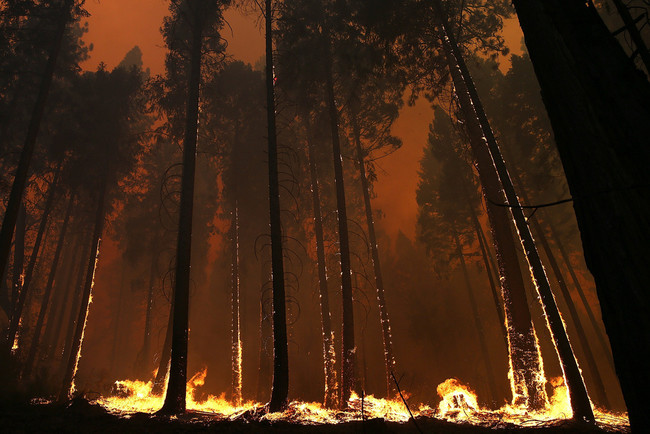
(580, 403)
(20, 177)
(175, 397)
(489, 371)
(67, 388)
(527, 380)
(280, 388)
(18, 267)
(48, 291)
(599, 106)
(348, 380)
(235, 341)
(326, 319)
(165, 356)
(389, 358)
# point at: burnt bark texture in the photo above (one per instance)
(527, 387)
(280, 387)
(235, 329)
(599, 106)
(176, 387)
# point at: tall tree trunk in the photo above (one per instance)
(599, 106)
(235, 341)
(176, 388)
(527, 380)
(266, 331)
(579, 398)
(478, 325)
(594, 372)
(592, 318)
(67, 387)
(117, 324)
(635, 34)
(48, 291)
(20, 177)
(348, 380)
(387, 339)
(329, 353)
(280, 388)
(143, 363)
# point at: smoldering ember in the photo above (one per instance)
(327, 216)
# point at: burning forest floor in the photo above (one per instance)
(132, 408)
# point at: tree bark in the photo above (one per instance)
(176, 387)
(280, 388)
(387, 338)
(165, 356)
(48, 290)
(266, 331)
(67, 387)
(323, 292)
(527, 380)
(599, 106)
(143, 364)
(18, 266)
(22, 171)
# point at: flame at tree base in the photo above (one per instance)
(458, 404)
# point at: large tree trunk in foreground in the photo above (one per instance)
(527, 377)
(607, 350)
(348, 380)
(387, 338)
(478, 325)
(599, 106)
(176, 387)
(580, 403)
(159, 382)
(266, 330)
(323, 292)
(20, 177)
(48, 291)
(280, 388)
(67, 387)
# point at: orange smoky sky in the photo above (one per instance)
(116, 26)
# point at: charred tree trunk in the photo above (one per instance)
(599, 106)
(323, 292)
(487, 363)
(22, 171)
(348, 369)
(175, 397)
(580, 403)
(266, 332)
(48, 291)
(387, 338)
(592, 318)
(118, 323)
(526, 370)
(67, 387)
(235, 337)
(280, 388)
(18, 266)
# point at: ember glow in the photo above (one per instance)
(458, 403)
